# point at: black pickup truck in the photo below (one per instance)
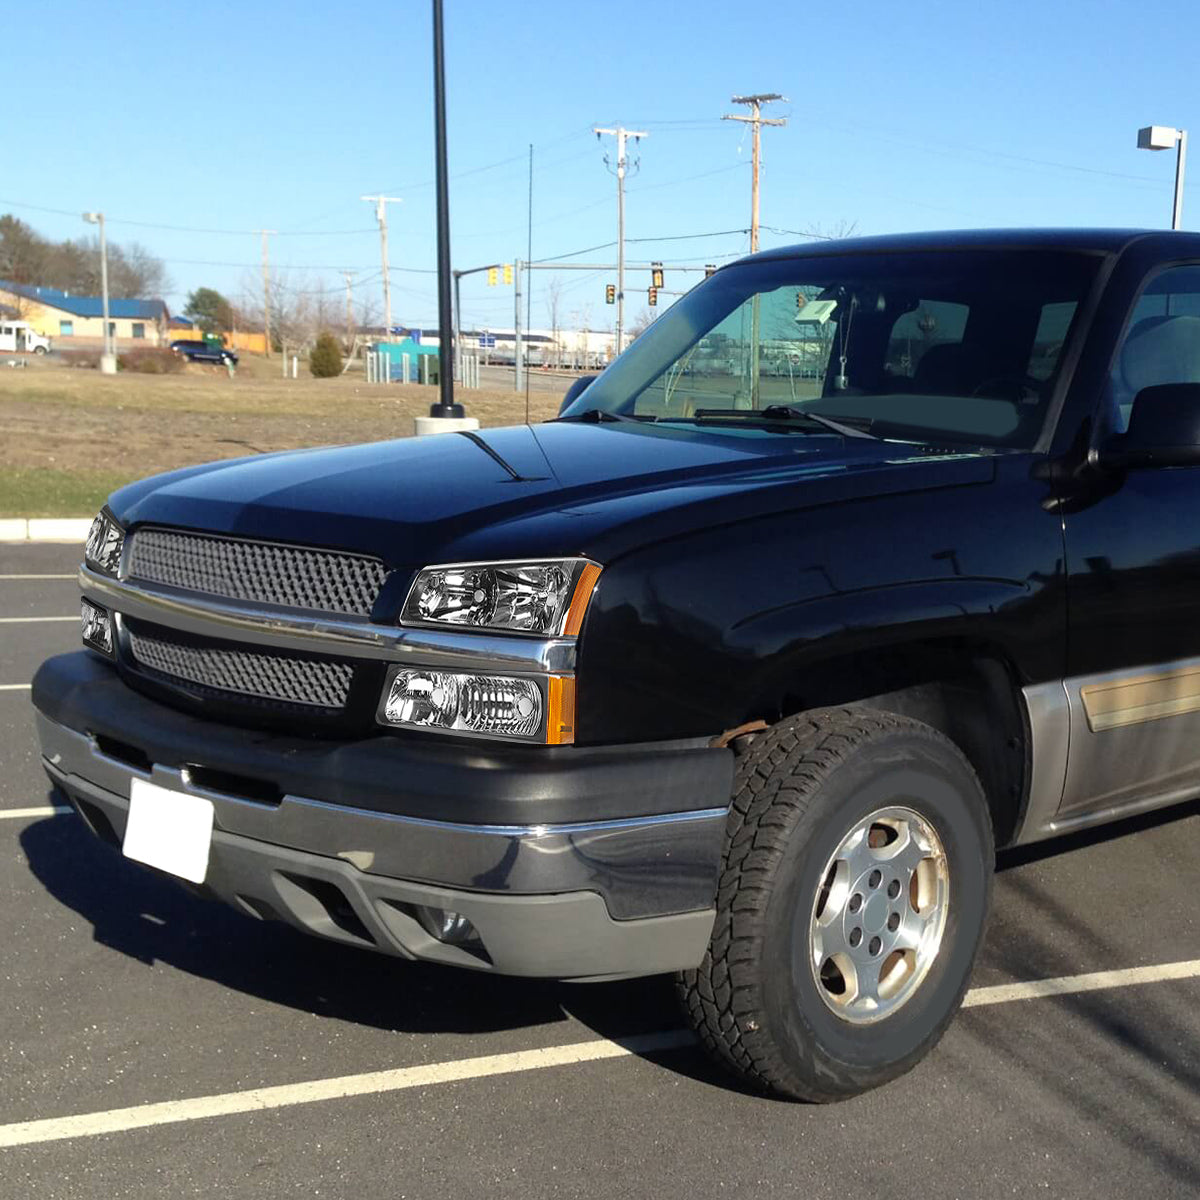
(866, 558)
(199, 350)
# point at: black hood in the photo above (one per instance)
(563, 487)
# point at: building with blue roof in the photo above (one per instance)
(77, 320)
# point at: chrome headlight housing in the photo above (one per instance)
(480, 703)
(105, 541)
(544, 596)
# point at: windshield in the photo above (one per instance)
(946, 346)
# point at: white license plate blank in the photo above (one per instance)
(169, 830)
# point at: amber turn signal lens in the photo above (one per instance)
(579, 601)
(560, 715)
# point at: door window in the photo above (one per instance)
(1162, 339)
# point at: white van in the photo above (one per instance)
(19, 337)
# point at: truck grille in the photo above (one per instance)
(262, 572)
(246, 673)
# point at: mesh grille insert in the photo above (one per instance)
(291, 576)
(246, 673)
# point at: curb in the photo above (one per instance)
(44, 529)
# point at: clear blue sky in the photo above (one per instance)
(220, 118)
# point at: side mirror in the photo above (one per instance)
(1164, 429)
(574, 391)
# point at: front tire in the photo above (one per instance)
(852, 902)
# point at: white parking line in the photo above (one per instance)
(3, 577)
(41, 810)
(1066, 985)
(33, 620)
(223, 1104)
(15, 687)
(371, 1083)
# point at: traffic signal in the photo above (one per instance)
(610, 293)
(492, 276)
(656, 275)
(508, 272)
(652, 297)
(709, 269)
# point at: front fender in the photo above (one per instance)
(698, 635)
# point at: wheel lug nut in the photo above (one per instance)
(873, 880)
(893, 922)
(893, 889)
(855, 903)
(874, 946)
(855, 936)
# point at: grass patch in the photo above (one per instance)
(45, 492)
(67, 438)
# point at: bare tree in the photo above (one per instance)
(640, 323)
(134, 273)
(22, 252)
(832, 231)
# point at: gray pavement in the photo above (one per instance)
(539, 380)
(120, 989)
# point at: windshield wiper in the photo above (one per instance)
(778, 410)
(782, 413)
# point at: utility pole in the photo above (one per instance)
(621, 134)
(349, 277)
(381, 203)
(266, 269)
(756, 120)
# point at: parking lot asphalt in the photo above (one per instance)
(120, 990)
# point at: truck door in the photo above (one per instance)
(1133, 562)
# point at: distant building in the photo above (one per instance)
(72, 320)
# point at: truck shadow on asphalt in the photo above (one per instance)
(153, 920)
(1041, 907)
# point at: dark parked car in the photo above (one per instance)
(195, 350)
(737, 674)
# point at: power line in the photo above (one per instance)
(66, 212)
(650, 187)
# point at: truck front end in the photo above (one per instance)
(377, 755)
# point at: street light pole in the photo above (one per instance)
(1180, 165)
(1164, 137)
(108, 360)
(445, 406)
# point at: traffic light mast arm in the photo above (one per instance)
(476, 270)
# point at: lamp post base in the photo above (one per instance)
(423, 426)
(108, 364)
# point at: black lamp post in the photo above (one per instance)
(445, 406)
